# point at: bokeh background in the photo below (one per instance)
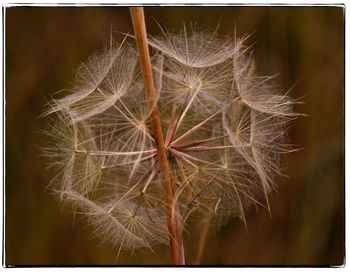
(304, 45)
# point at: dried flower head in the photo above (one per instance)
(225, 130)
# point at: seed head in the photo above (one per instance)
(225, 132)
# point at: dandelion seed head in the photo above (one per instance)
(224, 129)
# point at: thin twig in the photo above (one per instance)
(139, 25)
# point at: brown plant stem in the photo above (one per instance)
(176, 244)
(202, 240)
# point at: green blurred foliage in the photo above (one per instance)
(304, 45)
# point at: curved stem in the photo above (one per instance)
(176, 244)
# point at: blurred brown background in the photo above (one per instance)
(301, 44)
